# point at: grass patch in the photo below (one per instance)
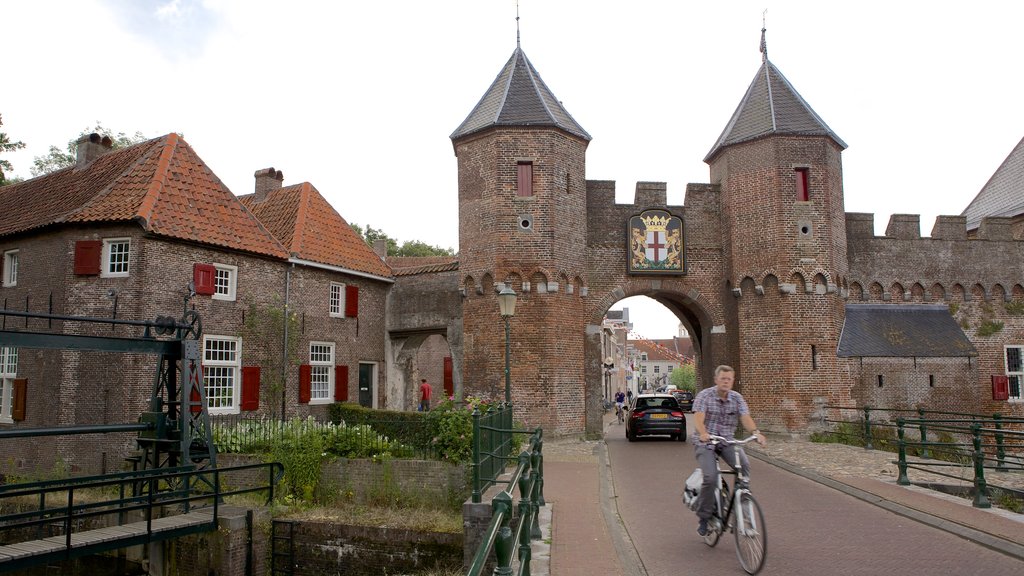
(423, 519)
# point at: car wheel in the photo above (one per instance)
(681, 437)
(631, 436)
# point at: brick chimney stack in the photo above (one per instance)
(267, 180)
(91, 147)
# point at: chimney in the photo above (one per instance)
(380, 247)
(267, 180)
(92, 147)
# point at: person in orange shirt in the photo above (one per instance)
(424, 395)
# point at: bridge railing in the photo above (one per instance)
(493, 445)
(32, 508)
(500, 535)
(937, 441)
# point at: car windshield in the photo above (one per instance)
(645, 403)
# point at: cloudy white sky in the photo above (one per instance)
(359, 98)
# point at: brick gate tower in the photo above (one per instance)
(779, 169)
(522, 224)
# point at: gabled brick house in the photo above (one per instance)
(128, 234)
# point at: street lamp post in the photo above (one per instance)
(507, 307)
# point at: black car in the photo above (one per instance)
(651, 414)
(685, 399)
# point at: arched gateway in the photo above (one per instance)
(756, 265)
(529, 220)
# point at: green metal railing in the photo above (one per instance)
(529, 477)
(34, 507)
(493, 444)
(944, 440)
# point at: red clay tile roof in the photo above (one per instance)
(668, 349)
(162, 184)
(302, 219)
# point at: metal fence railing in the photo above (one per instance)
(501, 536)
(936, 441)
(493, 446)
(367, 438)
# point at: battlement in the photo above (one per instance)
(861, 225)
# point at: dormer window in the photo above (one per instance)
(524, 178)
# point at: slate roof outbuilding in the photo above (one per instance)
(311, 229)
(1003, 194)
(161, 184)
(902, 331)
(771, 106)
(519, 97)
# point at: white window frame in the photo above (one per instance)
(657, 368)
(8, 372)
(224, 292)
(1017, 374)
(229, 370)
(337, 303)
(670, 367)
(321, 362)
(643, 368)
(10, 268)
(108, 243)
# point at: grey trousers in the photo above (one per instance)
(706, 461)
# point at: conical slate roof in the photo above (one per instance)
(771, 106)
(519, 97)
(1001, 195)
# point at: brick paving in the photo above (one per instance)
(585, 541)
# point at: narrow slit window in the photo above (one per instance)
(803, 193)
(880, 381)
(814, 357)
(524, 179)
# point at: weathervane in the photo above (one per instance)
(764, 45)
(517, 24)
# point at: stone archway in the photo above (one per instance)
(405, 370)
(701, 317)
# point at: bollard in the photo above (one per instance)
(980, 487)
(1000, 447)
(867, 429)
(924, 434)
(903, 480)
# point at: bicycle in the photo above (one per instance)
(620, 412)
(742, 516)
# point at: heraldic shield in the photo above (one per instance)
(656, 243)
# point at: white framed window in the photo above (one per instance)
(670, 368)
(657, 369)
(225, 280)
(222, 373)
(10, 268)
(116, 253)
(1015, 371)
(8, 372)
(321, 363)
(337, 300)
(643, 368)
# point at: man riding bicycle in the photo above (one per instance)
(716, 411)
(620, 400)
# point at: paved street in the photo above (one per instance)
(812, 529)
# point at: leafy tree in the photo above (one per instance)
(408, 248)
(56, 159)
(7, 146)
(684, 377)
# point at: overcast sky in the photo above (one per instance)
(359, 98)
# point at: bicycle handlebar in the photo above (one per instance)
(716, 439)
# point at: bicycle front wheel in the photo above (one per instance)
(751, 534)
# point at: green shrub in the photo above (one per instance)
(989, 327)
(1015, 308)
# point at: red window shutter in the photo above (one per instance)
(524, 179)
(87, 257)
(341, 383)
(305, 383)
(351, 301)
(449, 383)
(1000, 387)
(250, 388)
(203, 276)
(802, 194)
(18, 405)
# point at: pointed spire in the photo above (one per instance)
(519, 97)
(517, 24)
